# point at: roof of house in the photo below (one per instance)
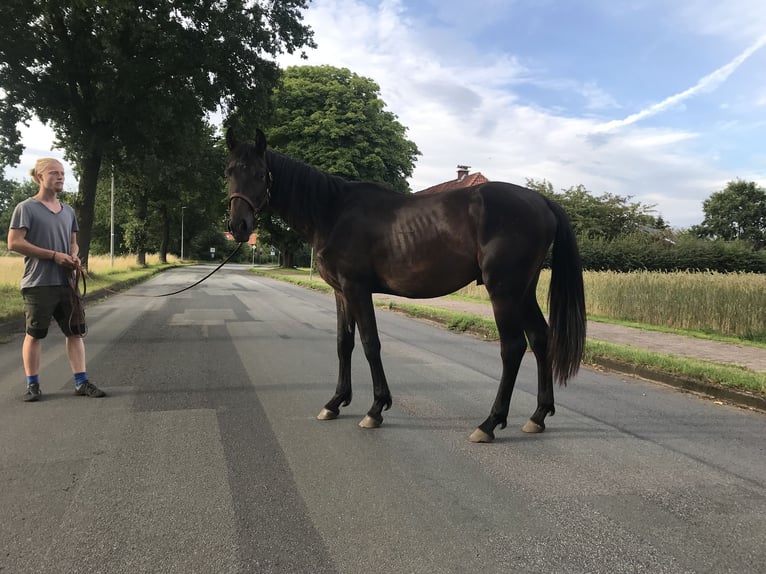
(464, 179)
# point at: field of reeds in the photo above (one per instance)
(729, 304)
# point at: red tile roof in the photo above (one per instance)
(464, 179)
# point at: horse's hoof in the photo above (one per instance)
(327, 415)
(369, 423)
(480, 436)
(532, 427)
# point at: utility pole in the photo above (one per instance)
(111, 224)
(182, 232)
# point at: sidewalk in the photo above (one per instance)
(753, 358)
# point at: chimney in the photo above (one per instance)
(462, 171)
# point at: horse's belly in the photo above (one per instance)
(423, 279)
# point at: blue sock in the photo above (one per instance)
(33, 380)
(80, 378)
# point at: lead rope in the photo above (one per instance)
(78, 276)
(75, 278)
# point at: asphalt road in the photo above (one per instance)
(206, 456)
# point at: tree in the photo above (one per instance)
(736, 212)
(183, 171)
(11, 194)
(606, 216)
(335, 120)
(107, 74)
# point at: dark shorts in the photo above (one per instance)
(42, 303)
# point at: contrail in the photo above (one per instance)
(709, 82)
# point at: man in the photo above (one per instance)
(44, 230)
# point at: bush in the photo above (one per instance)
(652, 253)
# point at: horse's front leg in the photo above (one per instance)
(364, 312)
(346, 333)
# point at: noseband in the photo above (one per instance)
(264, 201)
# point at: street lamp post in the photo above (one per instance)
(182, 232)
(111, 222)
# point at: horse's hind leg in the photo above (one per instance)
(537, 333)
(513, 345)
(346, 334)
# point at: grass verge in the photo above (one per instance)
(680, 371)
(11, 304)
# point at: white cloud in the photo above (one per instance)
(461, 105)
(37, 140)
(460, 114)
(709, 82)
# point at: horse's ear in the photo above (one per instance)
(260, 142)
(231, 140)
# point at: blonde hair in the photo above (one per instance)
(41, 165)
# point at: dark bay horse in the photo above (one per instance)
(371, 239)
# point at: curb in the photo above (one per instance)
(708, 390)
(739, 398)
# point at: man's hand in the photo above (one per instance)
(66, 260)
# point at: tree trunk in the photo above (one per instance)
(91, 167)
(142, 210)
(165, 241)
(287, 257)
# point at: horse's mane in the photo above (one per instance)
(304, 196)
(308, 198)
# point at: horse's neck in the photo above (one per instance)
(302, 195)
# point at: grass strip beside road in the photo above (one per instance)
(648, 364)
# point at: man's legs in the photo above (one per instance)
(75, 350)
(30, 354)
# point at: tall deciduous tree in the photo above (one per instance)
(104, 74)
(335, 120)
(605, 216)
(736, 212)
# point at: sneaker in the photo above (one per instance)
(33, 393)
(88, 389)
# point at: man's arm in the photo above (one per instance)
(17, 241)
(74, 248)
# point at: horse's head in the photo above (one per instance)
(249, 182)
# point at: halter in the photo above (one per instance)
(255, 208)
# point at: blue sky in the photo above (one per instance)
(662, 101)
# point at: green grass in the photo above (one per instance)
(596, 352)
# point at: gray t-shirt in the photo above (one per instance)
(47, 230)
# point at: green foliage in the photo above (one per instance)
(737, 212)
(684, 253)
(605, 216)
(111, 76)
(200, 243)
(335, 120)
(136, 236)
(11, 194)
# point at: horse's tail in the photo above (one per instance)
(566, 301)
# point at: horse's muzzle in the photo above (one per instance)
(240, 230)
